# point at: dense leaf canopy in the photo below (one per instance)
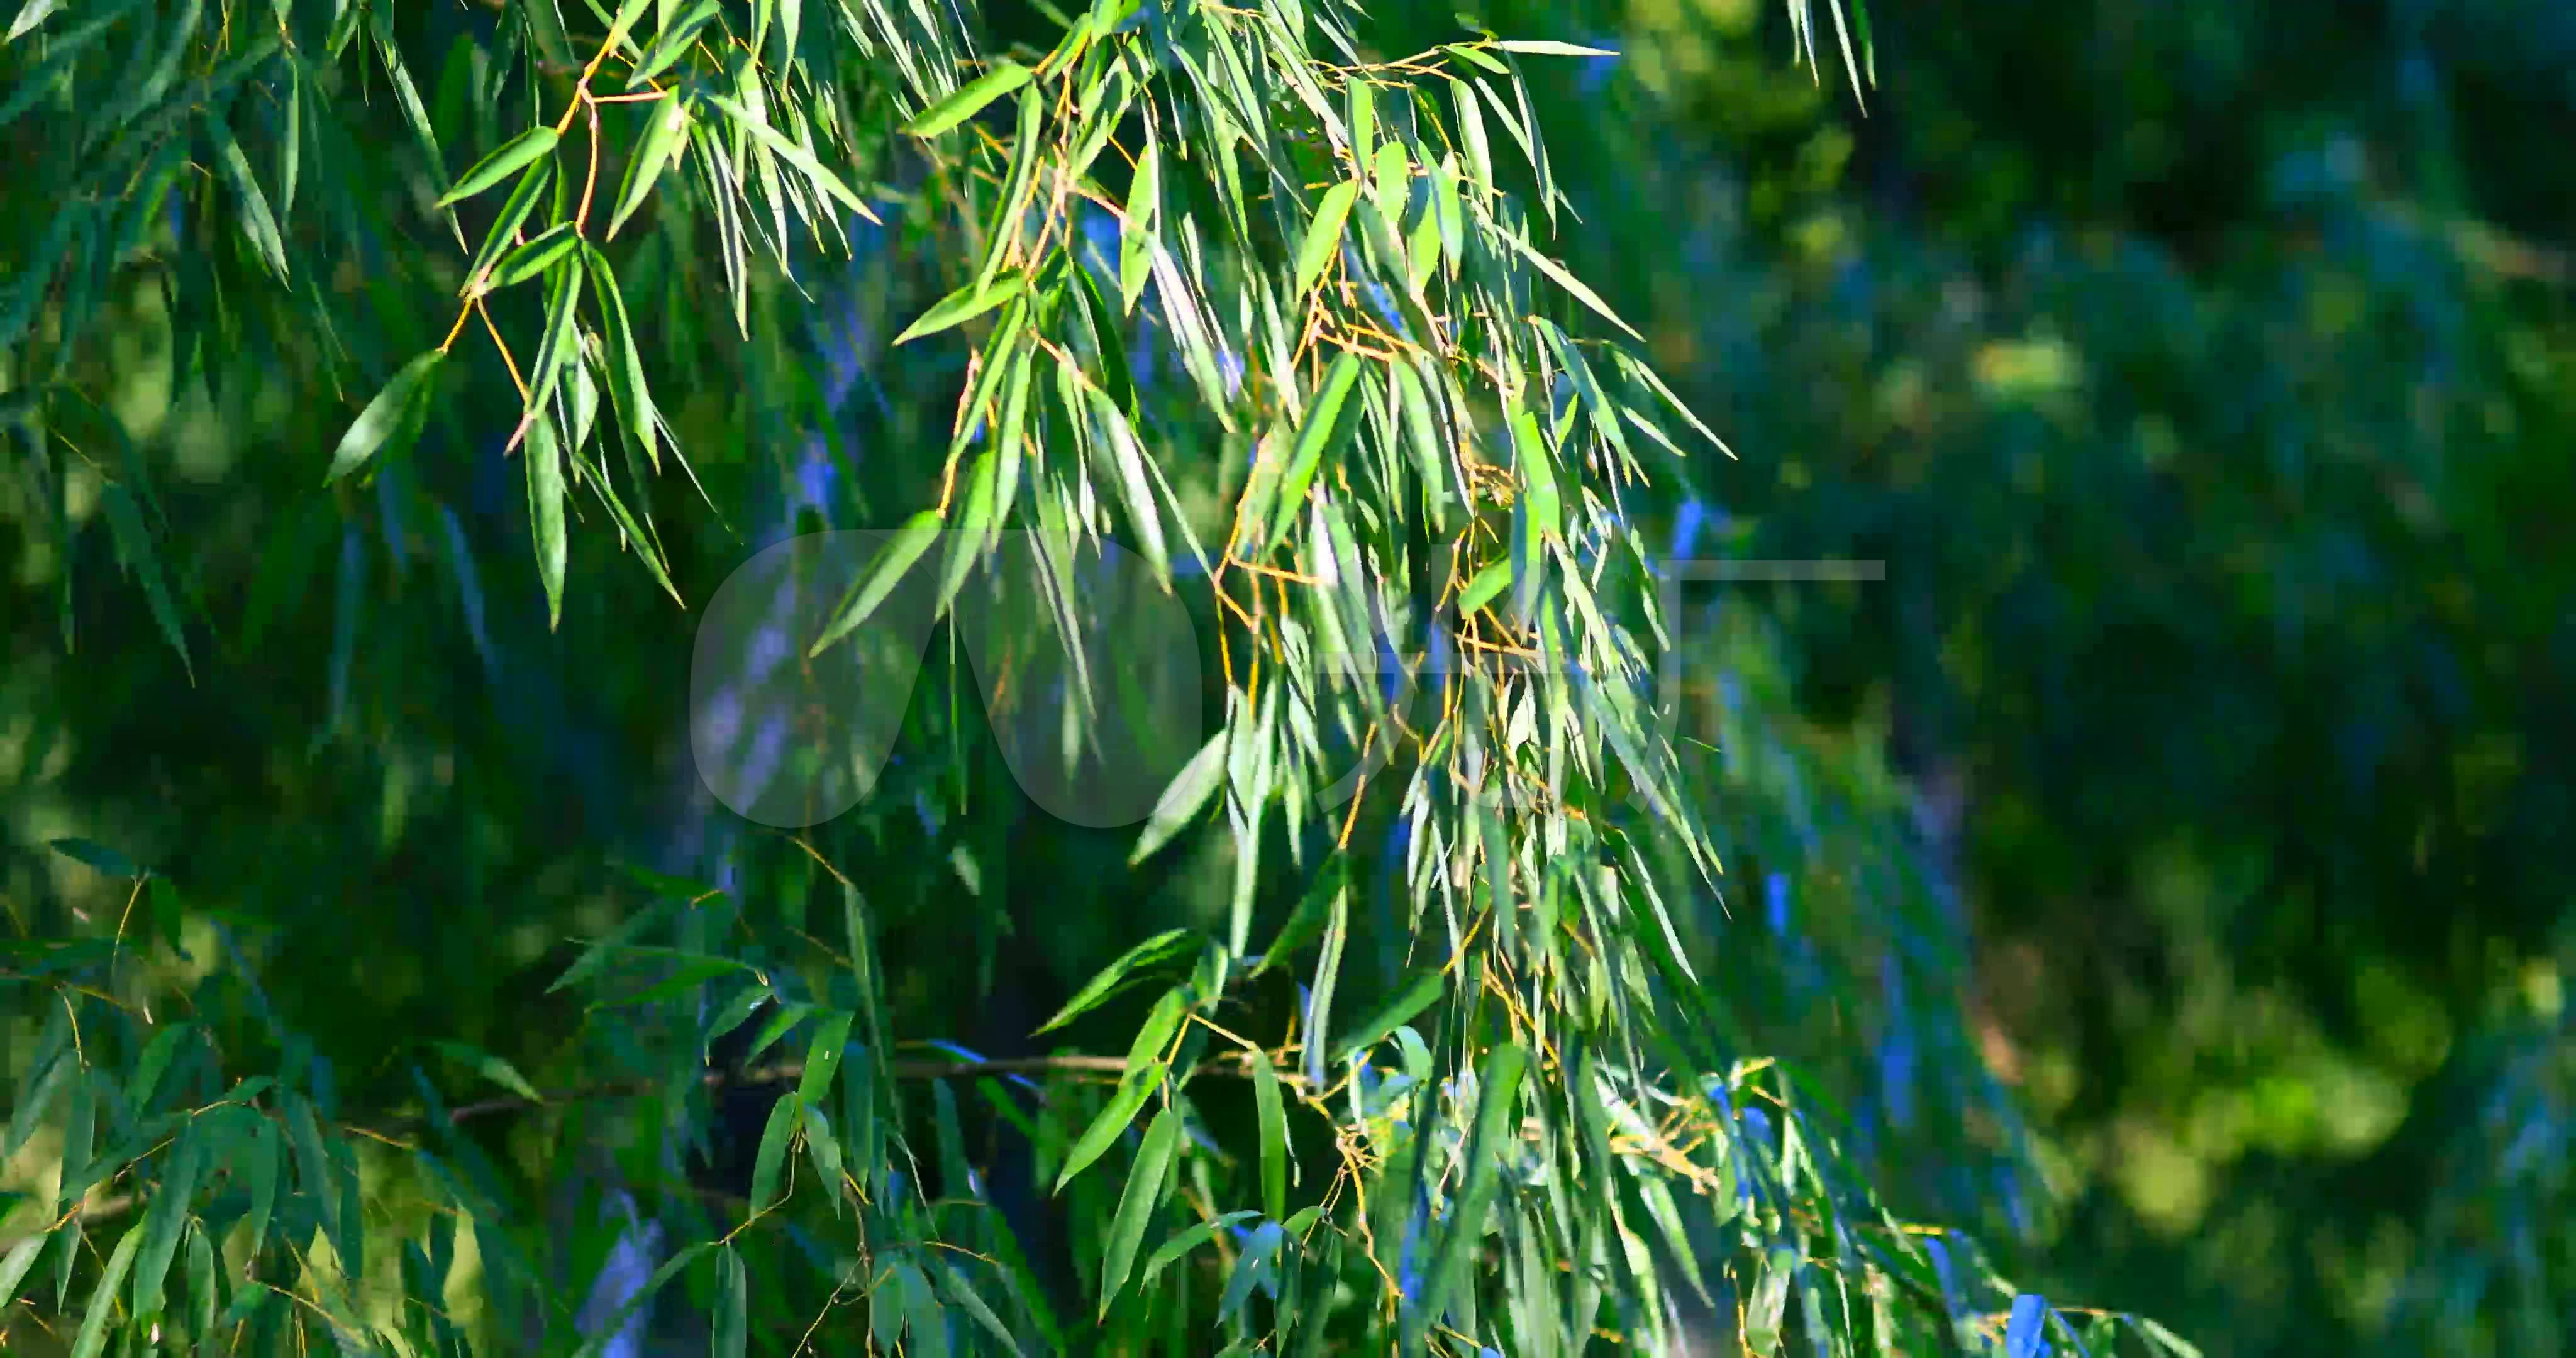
(750, 676)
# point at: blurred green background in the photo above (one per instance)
(2204, 374)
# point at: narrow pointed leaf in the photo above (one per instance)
(963, 305)
(888, 571)
(1323, 236)
(1132, 964)
(1144, 1192)
(1182, 801)
(514, 155)
(969, 100)
(384, 416)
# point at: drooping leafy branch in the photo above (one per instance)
(1390, 458)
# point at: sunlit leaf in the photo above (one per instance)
(969, 100)
(508, 159)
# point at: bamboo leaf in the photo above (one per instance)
(731, 1337)
(1130, 965)
(540, 253)
(626, 385)
(515, 211)
(1323, 236)
(1556, 274)
(1182, 801)
(546, 511)
(888, 571)
(384, 416)
(97, 856)
(771, 1162)
(1136, 236)
(969, 100)
(257, 222)
(665, 132)
(672, 43)
(963, 305)
(102, 1301)
(1146, 1069)
(1497, 1117)
(1146, 1185)
(823, 180)
(490, 1067)
(1318, 436)
(1183, 1241)
(1274, 1136)
(513, 156)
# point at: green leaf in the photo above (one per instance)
(888, 571)
(546, 511)
(134, 548)
(97, 856)
(771, 1163)
(626, 385)
(1146, 1185)
(974, 523)
(1136, 238)
(733, 1306)
(1388, 176)
(1487, 584)
(1104, 1129)
(154, 1062)
(1497, 1119)
(406, 97)
(102, 1300)
(1317, 437)
(665, 130)
(36, 12)
(167, 1214)
(1250, 1267)
(1146, 1070)
(2165, 1338)
(257, 222)
(963, 305)
(515, 211)
(386, 415)
(1026, 148)
(562, 343)
(1556, 274)
(823, 180)
(1274, 1136)
(1190, 1238)
(672, 43)
(953, 1285)
(532, 257)
(490, 1067)
(258, 1164)
(825, 1150)
(1159, 950)
(20, 1258)
(1323, 236)
(969, 100)
(513, 156)
(1182, 801)
(1135, 490)
(1328, 971)
(1403, 1009)
(823, 1056)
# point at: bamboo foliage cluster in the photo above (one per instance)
(1422, 568)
